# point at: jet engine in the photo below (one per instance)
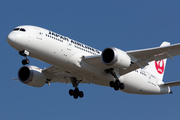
(31, 75)
(116, 58)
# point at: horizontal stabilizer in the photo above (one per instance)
(171, 84)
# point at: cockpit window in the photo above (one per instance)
(19, 29)
(22, 29)
(16, 29)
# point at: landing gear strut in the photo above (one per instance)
(117, 84)
(75, 93)
(24, 53)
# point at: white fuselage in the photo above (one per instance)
(67, 54)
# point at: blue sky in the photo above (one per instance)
(127, 25)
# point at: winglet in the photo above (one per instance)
(165, 44)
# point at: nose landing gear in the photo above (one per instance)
(25, 61)
(25, 54)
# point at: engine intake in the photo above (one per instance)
(24, 74)
(116, 58)
(31, 75)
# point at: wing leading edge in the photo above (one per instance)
(157, 53)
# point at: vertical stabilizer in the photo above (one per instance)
(157, 68)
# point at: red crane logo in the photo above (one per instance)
(159, 66)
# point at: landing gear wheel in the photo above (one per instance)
(75, 96)
(116, 88)
(71, 92)
(116, 85)
(81, 94)
(76, 90)
(76, 93)
(112, 83)
(25, 61)
(121, 86)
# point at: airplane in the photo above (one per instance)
(136, 71)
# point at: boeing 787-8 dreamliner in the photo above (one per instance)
(137, 71)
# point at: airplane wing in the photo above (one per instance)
(56, 74)
(157, 53)
(140, 58)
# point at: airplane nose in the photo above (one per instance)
(11, 38)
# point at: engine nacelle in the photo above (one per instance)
(32, 75)
(116, 58)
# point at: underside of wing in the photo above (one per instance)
(98, 63)
(56, 74)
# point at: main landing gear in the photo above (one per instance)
(75, 93)
(117, 84)
(24, 53)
